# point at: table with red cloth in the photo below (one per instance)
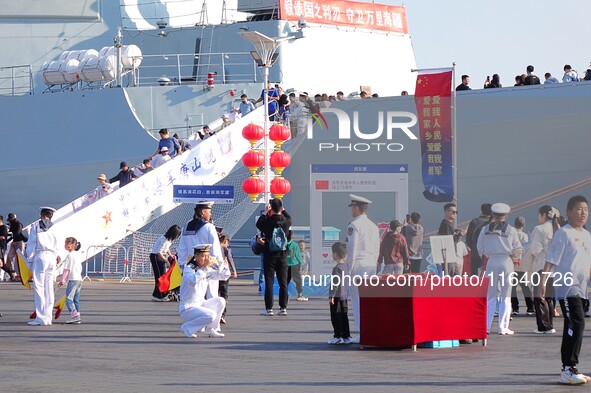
(403, 316)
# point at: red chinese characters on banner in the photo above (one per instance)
(346, 13)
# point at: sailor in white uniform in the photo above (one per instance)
(200, 230)
(197, 312)
(499, 242)
(363, 248)
(42, 256)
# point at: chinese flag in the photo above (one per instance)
(433, 103)
(171, 279)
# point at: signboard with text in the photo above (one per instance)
(346, 13)
(194, 194)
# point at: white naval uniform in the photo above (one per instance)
(42, 251)
(363, 249)
(197, 312)
(498, 248)
(205, 235)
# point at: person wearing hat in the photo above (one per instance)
(197, 312)
(499, 245)
(363, 249)
(104, 188)
(42, 257)
(225, 122)
(125, 175)
(201, 230)
(393, 251)
(160, 159)
(171, 144)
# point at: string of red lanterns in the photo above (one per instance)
(254, 159)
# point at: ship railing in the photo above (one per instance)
(193, 69)
(16, 80)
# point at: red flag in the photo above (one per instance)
(433, 102)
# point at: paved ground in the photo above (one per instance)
(129, 344)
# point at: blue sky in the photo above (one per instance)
(502, 36)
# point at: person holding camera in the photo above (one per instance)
(197, 312)
(104, 188)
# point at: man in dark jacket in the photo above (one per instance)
(125, 176)
(274, 262)
(472, 236)
(414, 234)
(18, 243)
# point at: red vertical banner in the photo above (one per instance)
(433, 102)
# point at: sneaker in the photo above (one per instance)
(587, 378)
(506, 332)
(551, 331)
(215, 334)
(539, 331)
(74, 320)
(283, 311)
(223, 320)
(333, 341)
(302, 298)
(186, 332)
(354, 340)
(346, 341)
(531, 312)
(34, 323)
(571, 376)
(157, 299)
(267, 313)
(515, 313)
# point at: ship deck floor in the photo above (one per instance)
(127, 343)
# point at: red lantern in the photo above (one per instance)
(280, 160)
(280, 186)
(253, 186)
(253, 159)
(253, 133)
(279, 134)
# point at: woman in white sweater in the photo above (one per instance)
(541, 237)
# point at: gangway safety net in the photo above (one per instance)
(113, 217)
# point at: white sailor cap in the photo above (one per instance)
(204, 205)
(164, 149)
(501, 208)
(201, 248)
(357, 200)
(51, 209)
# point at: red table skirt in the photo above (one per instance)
(402, 316)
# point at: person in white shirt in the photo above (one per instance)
(42, 257)
(541, 238)
(570, 75)
(196, 312)
(461, 252)
(549, 79)
(498, 242)
(159, 259)
(569, 258)
(160, 159)
(72, 276)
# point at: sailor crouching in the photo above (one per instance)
(197, 312)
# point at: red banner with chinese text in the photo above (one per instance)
(346, 13)
(433, 102)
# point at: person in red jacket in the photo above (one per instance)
(393, 251)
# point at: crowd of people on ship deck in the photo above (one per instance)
(530, 78)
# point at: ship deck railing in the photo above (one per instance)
(193, 69)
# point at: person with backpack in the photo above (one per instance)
(393, 251)
(275, 224)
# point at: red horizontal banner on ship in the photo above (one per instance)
(346, 13)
